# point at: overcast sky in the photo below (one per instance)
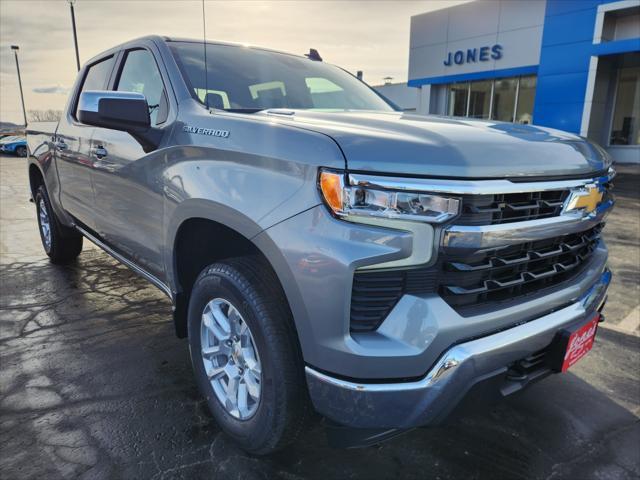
(358, 35)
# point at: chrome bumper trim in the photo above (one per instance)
(424, 401)
(492, 236)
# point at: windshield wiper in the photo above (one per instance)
(243, 110)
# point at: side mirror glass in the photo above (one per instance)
(124, 111)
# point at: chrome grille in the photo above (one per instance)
(505, 273)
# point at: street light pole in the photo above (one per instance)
(15, 49)
(75, 35)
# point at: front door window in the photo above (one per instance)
(140, 74)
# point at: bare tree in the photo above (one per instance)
(44, 115)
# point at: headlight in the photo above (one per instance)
(349, 201)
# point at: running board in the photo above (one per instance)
(139, 270)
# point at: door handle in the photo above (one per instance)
(60, 145)
(100, 152)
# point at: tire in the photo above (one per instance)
(21, 151)
(61, 244)
(282, 411)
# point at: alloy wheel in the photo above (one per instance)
(45, 225)
(230, 358)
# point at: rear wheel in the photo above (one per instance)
(21, 151)
(61, 244)
(245, 354)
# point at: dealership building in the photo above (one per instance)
(567, 64)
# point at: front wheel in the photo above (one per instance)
(21, 151)
(245, 354)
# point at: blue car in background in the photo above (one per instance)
(14, 144)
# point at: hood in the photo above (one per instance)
(409, 144)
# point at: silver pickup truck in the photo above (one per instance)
(323, 250)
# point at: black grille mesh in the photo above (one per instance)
(511, 207)
(375, 294)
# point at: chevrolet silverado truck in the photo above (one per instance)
(322, 250)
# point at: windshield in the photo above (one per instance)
(249, 79)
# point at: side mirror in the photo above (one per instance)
(124, 111)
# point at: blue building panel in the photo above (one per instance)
(565, 58)
(559, 7)
(569, 28)
(563, 116)
(567, 25)
(561, 88)
(616, 47)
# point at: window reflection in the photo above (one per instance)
(526, 97)
(625, 129)
(480, 99)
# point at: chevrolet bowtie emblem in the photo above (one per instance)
(586, 199)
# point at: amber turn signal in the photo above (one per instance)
(331, 186)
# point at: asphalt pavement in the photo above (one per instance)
(94, 384)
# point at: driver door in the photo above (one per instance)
(127, 181)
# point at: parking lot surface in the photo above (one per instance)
(94, 384)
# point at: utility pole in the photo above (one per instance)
(15, 49)
(75, 35)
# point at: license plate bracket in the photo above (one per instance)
(572, 343)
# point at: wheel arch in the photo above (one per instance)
(36, 178)
(193, 230)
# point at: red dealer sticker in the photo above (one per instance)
(580, 342)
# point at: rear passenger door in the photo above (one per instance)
(128, 181)
(72, 143)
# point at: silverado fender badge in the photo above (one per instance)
(212, 132)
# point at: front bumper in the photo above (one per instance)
(402, 405)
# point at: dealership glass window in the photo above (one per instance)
(458, 95)
(526, 97)
(504, 99)
(625, 128)
(480, 99)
